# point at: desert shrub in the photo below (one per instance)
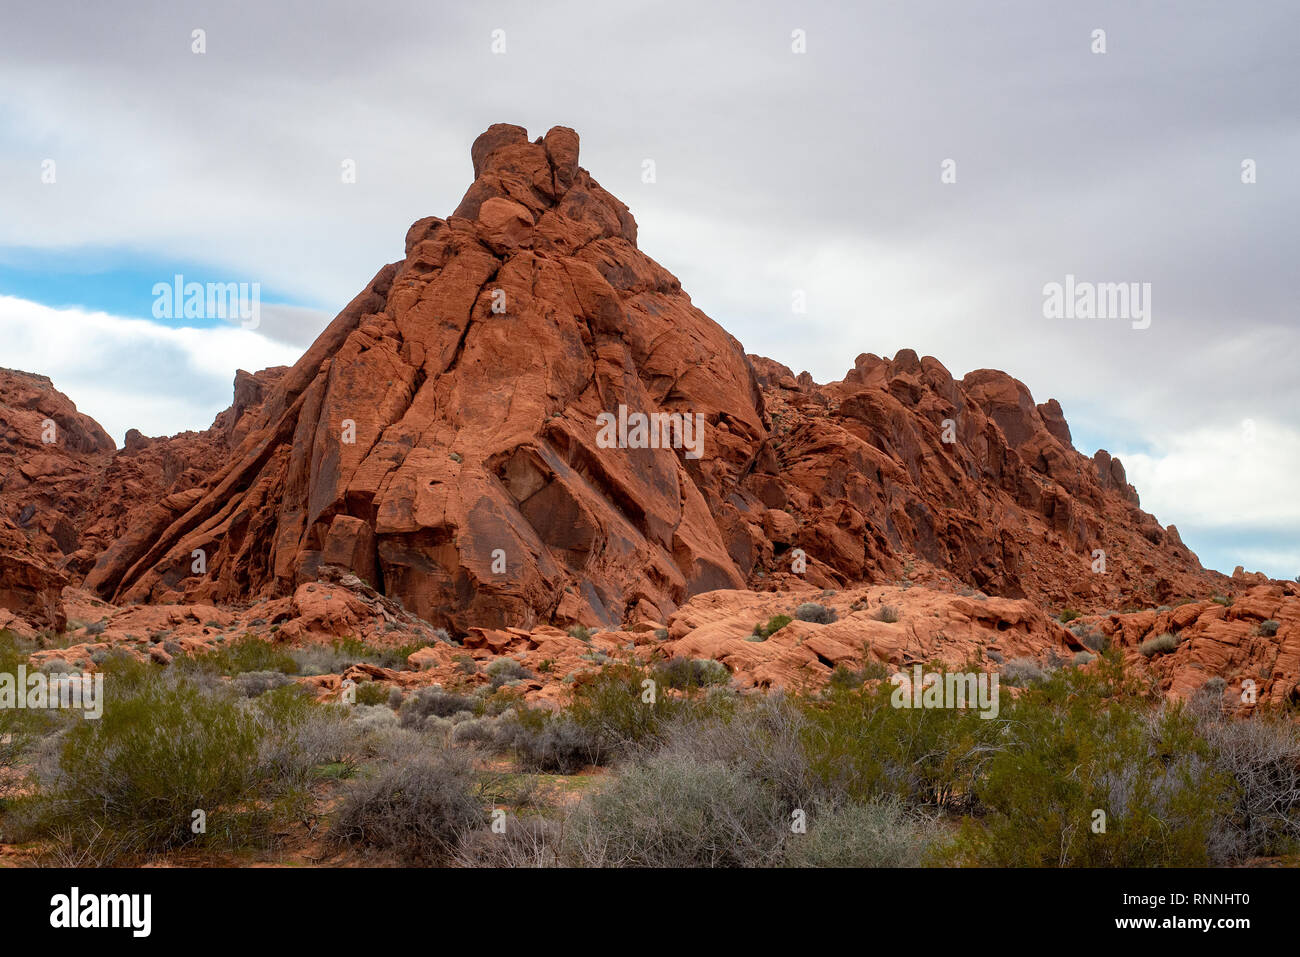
(581, 632)
(371, 692)
(774, 624)
(860, 748)
(251, 684)
(1023, 672)
(845, 677)
(687, 673)
(1068, 615)
(877, 834)
(337, 657)
(816, 613)
(552, 744)
(1086, 741)
(531, 841)
(676, 811)
(298, 738)
(1262, 757)
(96, 627)
(435, 702)
(762, 737)
(887, 614)
(480, 731)
(500, 698)
(1269, 628)
(1159, 645)
(237, 657)
(1082, 658)
(20, 728)
(612, 707)
(415, 808)
(661, 634)
(129, 781)
(509, 667)
(1091, 638)
(368, 718)
(503, 670)
(320, 660)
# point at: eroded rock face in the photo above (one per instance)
(31, 591)
(440, 439)
(900, 463)
(50, 458)
(73, 496)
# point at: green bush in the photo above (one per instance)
(862, 748)
(1068, 615)
(129, 781)
(245, 654)
(887, 614)
(371, 692)
(1269, 628)
(774, 624)
(1085, 743)
(687, 673)
(336, 658)
(612, 707)
(19, 727)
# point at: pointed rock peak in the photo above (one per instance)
(540, 184)
(493, 138)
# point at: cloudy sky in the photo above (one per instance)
(776, 172)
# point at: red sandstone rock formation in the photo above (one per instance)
(71, 497)
(440, 448)
(417, 445)
(440, 438)
(861, 477)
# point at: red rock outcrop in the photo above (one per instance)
(441, 438)
(30, 589)
(899, 463)
(50, 455)
(1251, 642)
(418, 445)
(73, 494)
